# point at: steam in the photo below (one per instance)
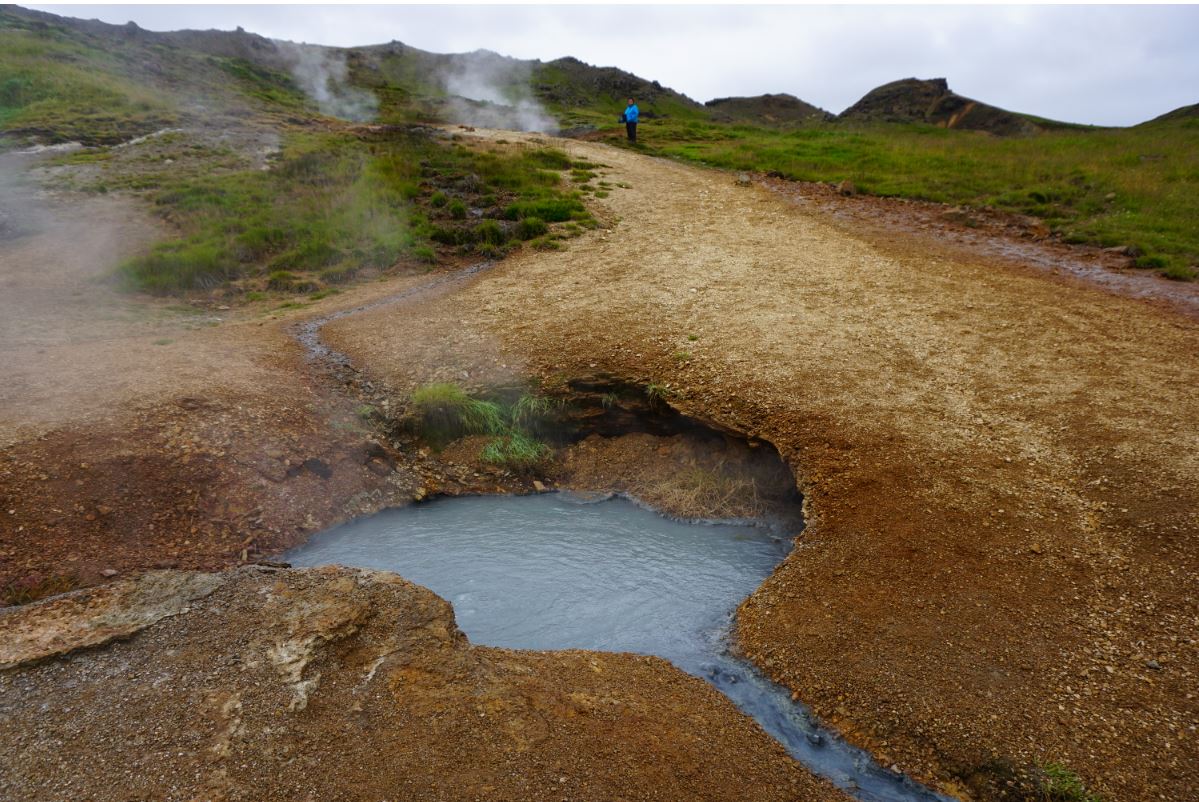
(324, 76)
(490, 91)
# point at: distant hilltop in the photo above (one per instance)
(404, 82)
(776, 110)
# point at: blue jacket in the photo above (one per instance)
(631, 114)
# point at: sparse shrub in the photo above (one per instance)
(424, 253)
(552, 210)
(338, 275)
(546, 244)
(548, 157)
(448, 236)
(531, 227)
(490, 232)
(1151, 261)
(1179, 272)
(438, 199)
(281, 280)
(457, 209)
(489, 251)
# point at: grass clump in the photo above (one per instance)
(1060, 784)
(517, 452)
(546, 244)
(551, 210)
(531, 227)
(446, 412)
(490, 232)
(550, 158)
(658, 394)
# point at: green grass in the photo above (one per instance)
(331, 203)
(1060, 784)
(336, 207)
(531, 227)
(658, 395)
(445, 412)
(1107, 187)
(517, 452)
(60, 90)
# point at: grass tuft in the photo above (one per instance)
(517, 452)
(1060, 784)
(446, 412)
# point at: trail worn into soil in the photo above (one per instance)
(999, 467)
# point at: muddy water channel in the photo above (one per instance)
(561, 571)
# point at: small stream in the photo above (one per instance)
(560, 571)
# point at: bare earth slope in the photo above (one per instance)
(1000, 468)
(341, 684)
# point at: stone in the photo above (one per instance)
(379, 467)
(743, 180)
(318, 467)
(316, 683)
(539, 486)
(847, 188)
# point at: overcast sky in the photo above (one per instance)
(1106, 65)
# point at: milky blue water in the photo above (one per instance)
(558, 571)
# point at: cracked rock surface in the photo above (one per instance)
(339, 683)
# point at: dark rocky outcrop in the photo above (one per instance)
(915, 100)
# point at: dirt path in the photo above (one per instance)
(1000, 468)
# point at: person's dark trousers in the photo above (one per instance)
(632, 130)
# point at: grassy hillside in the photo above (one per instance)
(100, 84)
(1129, 186)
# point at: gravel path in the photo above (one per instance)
(1000, 467)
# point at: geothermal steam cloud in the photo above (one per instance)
(490, 91)
(324, 76)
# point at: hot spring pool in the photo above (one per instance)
(558, 571)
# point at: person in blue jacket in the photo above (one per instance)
(629, 118)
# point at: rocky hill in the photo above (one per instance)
(932, 101)
(769, 110)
